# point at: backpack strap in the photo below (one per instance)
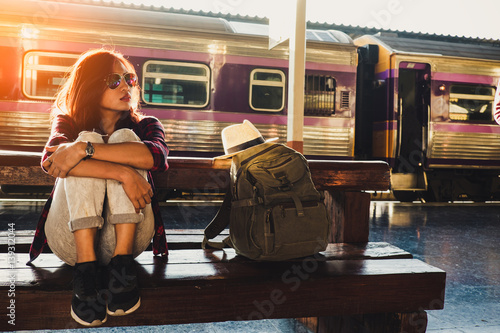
(206, 244)
(247, 202)
(218, 224)
(298, 204)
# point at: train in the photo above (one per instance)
(424, 106)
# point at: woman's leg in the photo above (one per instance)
(125, 235)
(124, 232)
(76, 214)
(71, 228)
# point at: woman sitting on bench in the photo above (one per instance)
(102, 209)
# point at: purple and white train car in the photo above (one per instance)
(197, 74)
(427, 106)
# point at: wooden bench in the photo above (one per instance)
(355, 285)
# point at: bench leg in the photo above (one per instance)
(350, 213)
(412, 322)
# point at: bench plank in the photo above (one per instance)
(206, 174)
(205, 286)
(336, 251)
(188, 240)
(192, 238)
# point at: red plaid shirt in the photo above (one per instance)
(151, 132)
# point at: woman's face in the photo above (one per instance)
(120, 98)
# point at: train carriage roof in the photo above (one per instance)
(396, 44)
(95, 13)
(331, 36)
(88, 13)
(218, 21)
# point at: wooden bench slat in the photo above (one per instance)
(19, 158)
(161, 274)
(24, 175)
(191, 173)
(188, 241)
(334, 251)
(16, 158)
(176, 238)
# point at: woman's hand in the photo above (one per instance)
(137, 189)
(64, 158)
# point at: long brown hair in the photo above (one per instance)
(81, 94)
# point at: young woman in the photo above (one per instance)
(102, 210)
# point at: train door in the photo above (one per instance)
(413, 114)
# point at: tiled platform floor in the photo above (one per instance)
(461, 238)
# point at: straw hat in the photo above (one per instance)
(238, 137)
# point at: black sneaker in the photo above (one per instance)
(123, 296)
(87, 307)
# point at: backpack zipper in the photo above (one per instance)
(245, 161)
(269, 233)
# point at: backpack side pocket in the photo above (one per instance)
(298, 236)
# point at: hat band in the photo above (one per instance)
(245, 145)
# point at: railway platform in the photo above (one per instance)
(460, 238)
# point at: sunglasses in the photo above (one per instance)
(113, 80)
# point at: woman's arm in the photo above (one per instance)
(63, 131)
(152, 134)
(149, 154)
(135, 186)
(134, 154)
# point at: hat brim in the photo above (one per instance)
(232, 154)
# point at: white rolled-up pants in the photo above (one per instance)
(83, 203)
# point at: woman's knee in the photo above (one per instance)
(84, 185)
(123, 135)
(93, 137)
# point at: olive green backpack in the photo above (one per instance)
(273, 210)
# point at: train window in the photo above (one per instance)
(44, 72)
(319, 95)
(175, 83)
(267, 90)
(471, 102)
